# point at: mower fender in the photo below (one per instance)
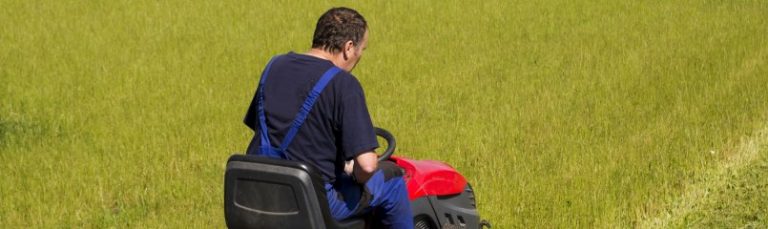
(430, 178)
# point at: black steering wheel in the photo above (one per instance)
(390, 143)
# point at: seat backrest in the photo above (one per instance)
(261, 192)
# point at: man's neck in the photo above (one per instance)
(336, 59)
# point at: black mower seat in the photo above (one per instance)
(261, 192)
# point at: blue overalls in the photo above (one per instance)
(385, 192)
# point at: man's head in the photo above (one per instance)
(343, 33)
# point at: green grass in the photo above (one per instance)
(560, 113)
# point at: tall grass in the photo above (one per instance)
(560, 113)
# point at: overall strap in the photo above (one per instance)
(266, 145)
(307, 106)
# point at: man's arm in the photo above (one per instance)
(364, 166)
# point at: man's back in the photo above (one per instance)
(335, 129)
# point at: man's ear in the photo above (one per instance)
(349, 46)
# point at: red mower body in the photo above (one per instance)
(430, 178)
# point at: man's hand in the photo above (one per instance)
(348, 166)
(364, 166)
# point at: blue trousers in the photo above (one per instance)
(384, 194)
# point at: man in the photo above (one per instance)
(309, 108)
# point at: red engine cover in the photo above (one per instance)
(427, 178)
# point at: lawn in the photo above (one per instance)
(560, 113)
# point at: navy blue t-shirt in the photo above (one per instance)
(338, 128)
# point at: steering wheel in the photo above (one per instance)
(390, 143)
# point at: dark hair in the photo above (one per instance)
(337, 26)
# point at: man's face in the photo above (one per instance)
(355, 53)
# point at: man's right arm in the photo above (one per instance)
(365, 165)
(358, 139)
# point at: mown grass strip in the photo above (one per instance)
(701, 194)
(741, 203)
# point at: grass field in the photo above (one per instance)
(560, 113)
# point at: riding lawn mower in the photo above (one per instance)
(263, 192)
